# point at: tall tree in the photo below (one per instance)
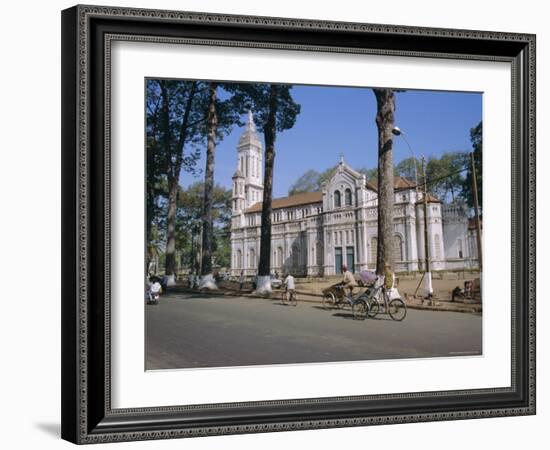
(445, 175)
(207, 279)
(177, 127)
(220, 117)
(385, 122)
(189, 220)
(274, 111)
(409, 168)
(476, 137)
(308, 182)
(156, 186)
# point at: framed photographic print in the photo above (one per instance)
(280, 224)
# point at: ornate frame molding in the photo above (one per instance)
(88, 32)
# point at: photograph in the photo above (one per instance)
(300, 224)
(303, 221)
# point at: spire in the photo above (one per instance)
(341, 157)
(250, 124)
(250, 136)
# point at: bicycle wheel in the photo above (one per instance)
(374, 307)
(293, 299)
(397, 309)
(329, 300)
(360, 309)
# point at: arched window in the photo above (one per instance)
(337, 199)
(295, 256)
(437, 245)
(319, 253)
(373, 249)
(397, 248)
(239, 259)
(279, 262)
(348, 197)
(251, 259)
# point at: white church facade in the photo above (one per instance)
(315, 233)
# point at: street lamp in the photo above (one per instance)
(427, 274)
(399, 132)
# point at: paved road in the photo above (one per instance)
(189, 330)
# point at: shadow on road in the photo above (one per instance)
(344, 315)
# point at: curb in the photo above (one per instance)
(467, 310)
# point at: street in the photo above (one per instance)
(195, 330)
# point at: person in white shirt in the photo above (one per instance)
(155, 289)
(289, 283)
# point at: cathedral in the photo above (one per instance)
(316, 233)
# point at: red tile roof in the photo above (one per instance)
(304, 198)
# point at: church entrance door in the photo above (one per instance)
(338, 260)
(350, 259)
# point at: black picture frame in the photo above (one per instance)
(87, 416)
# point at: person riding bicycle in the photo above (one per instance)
(290, 287)
(389, 281)
(154, 289)
(348, 282)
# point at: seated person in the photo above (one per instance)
(155, 288)
(349, 280)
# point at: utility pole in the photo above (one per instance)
(429, 289)
(476, 211)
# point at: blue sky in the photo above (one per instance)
(335, 120)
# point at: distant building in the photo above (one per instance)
(315, 233)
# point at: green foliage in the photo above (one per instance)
(371, 174)
(256, 97)
(406, 169)
(188, 222)
(166, 139)
(446, 175)
(308, 182)
(476, 137)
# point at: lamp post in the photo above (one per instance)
(399, 132)
(427, 277)
(428, 274)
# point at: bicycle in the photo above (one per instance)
(289, 297)
(396, 308)
(336, 298)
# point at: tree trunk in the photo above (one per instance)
(207, 280)
(174, 162)
(170, 265)
(385, 100)
(270, 134)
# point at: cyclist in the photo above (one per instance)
(389, 280)
(349, 280)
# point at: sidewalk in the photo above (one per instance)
(311, 292)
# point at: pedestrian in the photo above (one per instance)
(349, 280)
(289, 282)
(241, 280)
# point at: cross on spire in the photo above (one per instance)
(250, 124)
(341, 157)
